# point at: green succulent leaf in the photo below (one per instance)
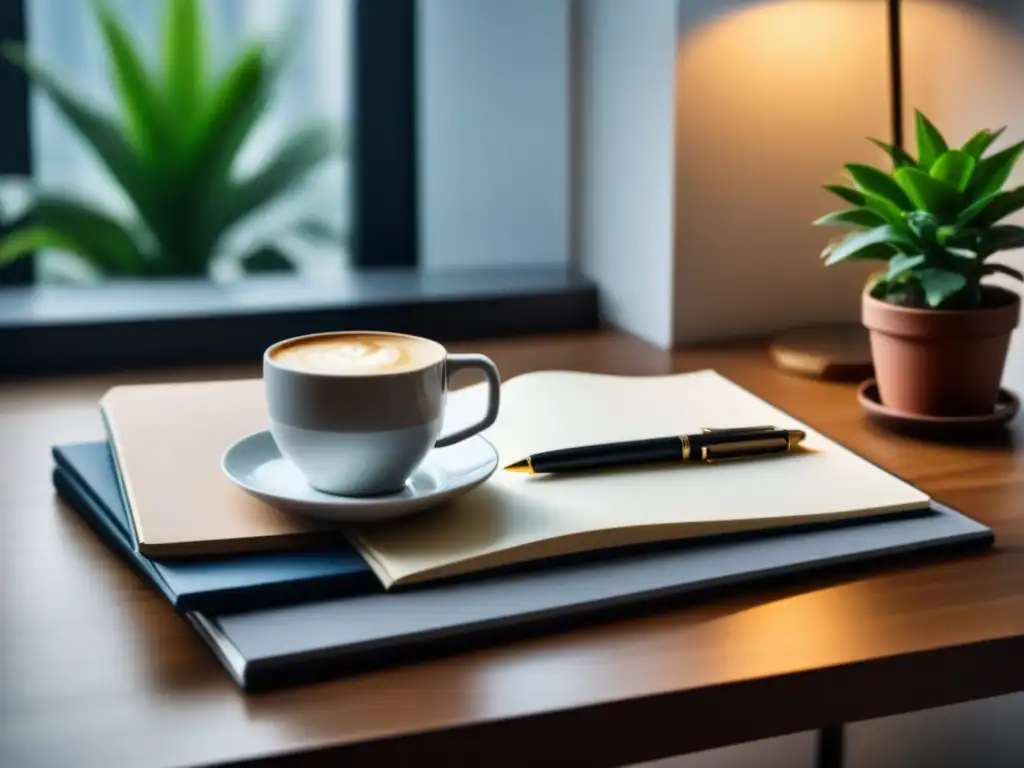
(217, 134)
(850, 195)
(903, 290)
(992, 172)
(103, 136)
(927, 193)
(981, 141)
(954, 168)
(75, 226)
(300, 155)
(889, 211)
(924, 225)
(144, 111)
(851, 217)
(997, 207)
(877, 243)
(1001, 238)
(991, 269)
(966, 239)
(875, 182)
(939, 285)
(946, 234)
(902, 263)
(878, 252)
(266, 260)
(184, 54)
(973, 211)
(900, 156)
(930, 143)
(29, 239)
(104, 241)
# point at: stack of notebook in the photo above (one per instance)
(280, 598)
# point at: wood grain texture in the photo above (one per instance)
(95, 669)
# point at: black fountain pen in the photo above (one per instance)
(707, 446)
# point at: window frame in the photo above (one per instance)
(384, 157)
(191, 322)
(15, 136)
(47, 330)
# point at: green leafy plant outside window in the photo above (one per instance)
(934, 219)
(172, 150)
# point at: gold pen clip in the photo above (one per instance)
(727, 430)
(742, 450)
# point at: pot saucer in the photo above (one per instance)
(940, 426)
(255, 465)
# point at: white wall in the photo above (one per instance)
(772, 99)
(623, 184)
(703, 132)
(494, 166)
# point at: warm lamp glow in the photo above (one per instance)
(802, 56)
(975, 80)
(771, 100)
(818, 628)
(795, 32)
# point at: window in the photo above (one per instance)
(361, 65)
(349, 57)
(315, 86)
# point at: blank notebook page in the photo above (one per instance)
(516, 517)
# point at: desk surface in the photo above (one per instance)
(95, 669)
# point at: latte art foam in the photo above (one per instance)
(362, 354)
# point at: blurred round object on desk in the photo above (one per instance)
(836, 351)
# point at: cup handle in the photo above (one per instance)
(456, 363)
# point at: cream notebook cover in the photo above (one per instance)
(168, 440)
(515, 517)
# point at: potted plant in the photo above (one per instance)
(939, 331)
(172, 151)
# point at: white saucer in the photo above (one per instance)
(255, 464)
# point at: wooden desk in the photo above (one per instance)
(95, 669)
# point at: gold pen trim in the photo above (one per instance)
(685, 441)
(524, 465)
(764, 428)
(731, 451)
(739, 450)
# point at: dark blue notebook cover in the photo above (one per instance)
(86, 479)
(303, 639)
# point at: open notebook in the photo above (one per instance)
(168, 440)
(516, 518)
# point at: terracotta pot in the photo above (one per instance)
(939, 362)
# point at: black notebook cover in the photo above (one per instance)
(85, 477)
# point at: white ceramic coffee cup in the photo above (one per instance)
(365, 434)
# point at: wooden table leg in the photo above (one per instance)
(830, 747)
